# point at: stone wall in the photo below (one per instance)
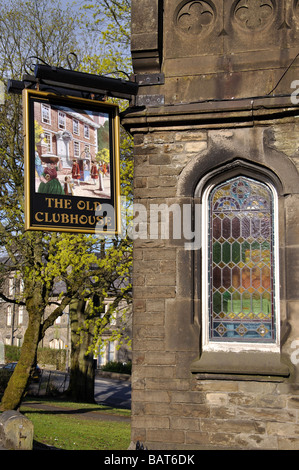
(173, 408)
(182, 398)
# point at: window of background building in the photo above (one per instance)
(61, 120)
(111, 351)
(75, 126)
(11, 285)
(9, 316)
(76, 148)
(86, 131)
(48, 141)
(56, 344)
(46, 113)
(21, 315)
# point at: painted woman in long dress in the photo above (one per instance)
(49, 181)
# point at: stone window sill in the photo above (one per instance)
(247, 365)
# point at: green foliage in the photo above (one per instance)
(69, 429)
(45, 356)
(103, 136)
(84, 266)
(110, 25)
(12, 353)
(35, 29)
(52, 357)
(119, 367)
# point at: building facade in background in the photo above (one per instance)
(14, 320)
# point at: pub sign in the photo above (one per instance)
(71, 164)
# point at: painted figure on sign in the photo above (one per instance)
(50, 184)
(94, 172)
(68, 186)
(76, 172)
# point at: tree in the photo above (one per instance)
(111, 27)
(85, 265)
(24, 250)
(34, 28)
(40, 259)
(81, 387)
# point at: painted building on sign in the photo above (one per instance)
(69, 135)
(215, 311)
(71, 149)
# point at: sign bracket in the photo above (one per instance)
(69, 82)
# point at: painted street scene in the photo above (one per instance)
(71, 152)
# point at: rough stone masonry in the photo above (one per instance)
(218, 99)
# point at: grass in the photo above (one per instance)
(66, 428)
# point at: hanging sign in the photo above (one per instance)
(71, 164)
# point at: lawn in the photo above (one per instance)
(67, 425)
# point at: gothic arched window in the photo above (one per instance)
(241, 292)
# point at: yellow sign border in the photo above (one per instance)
(71, 101)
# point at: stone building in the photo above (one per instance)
(216, 298)
(14, 321)
(14, 318)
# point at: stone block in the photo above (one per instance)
(150, 422)
(154, 358)
(292, 220)
(222, 412)
(159, 159)
(232, 426)
(157, 306)
(187, 397)
(160, 280)
(218, 399)
(187, 424)
(266, 414)
(166, 435)
(288, 443)
(16, 431)
(196, 146)
(195, 410)
(151, 396)
(198, 438)
(292, 261)
(283, 429)
(293, 402)
(161, 372)
(181, 334)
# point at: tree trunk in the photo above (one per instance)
(17, 384)
(82, 373)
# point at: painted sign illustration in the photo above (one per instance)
(71, 164)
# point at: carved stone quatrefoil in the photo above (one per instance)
(195, 16)
(254, 15)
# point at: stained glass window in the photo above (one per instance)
(241, 264)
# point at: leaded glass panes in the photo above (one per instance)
(241, 265)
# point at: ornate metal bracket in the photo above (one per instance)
(69, 82)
